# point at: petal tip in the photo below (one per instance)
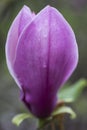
(25, 7)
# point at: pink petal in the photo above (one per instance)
(23, 18)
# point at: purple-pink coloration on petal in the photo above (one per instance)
(22, 19)
(41, 54)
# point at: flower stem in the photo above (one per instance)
(56, 122)
(60, 122)
(52, 125)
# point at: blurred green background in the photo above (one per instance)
(75, 12)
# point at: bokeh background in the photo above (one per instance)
(75, 11)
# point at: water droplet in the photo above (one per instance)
(44, 65)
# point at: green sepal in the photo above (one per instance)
(18, 119)
(63, 110)
(70, 93)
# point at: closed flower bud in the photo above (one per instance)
(41, 54)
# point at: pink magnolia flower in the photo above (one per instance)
(41, 54)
